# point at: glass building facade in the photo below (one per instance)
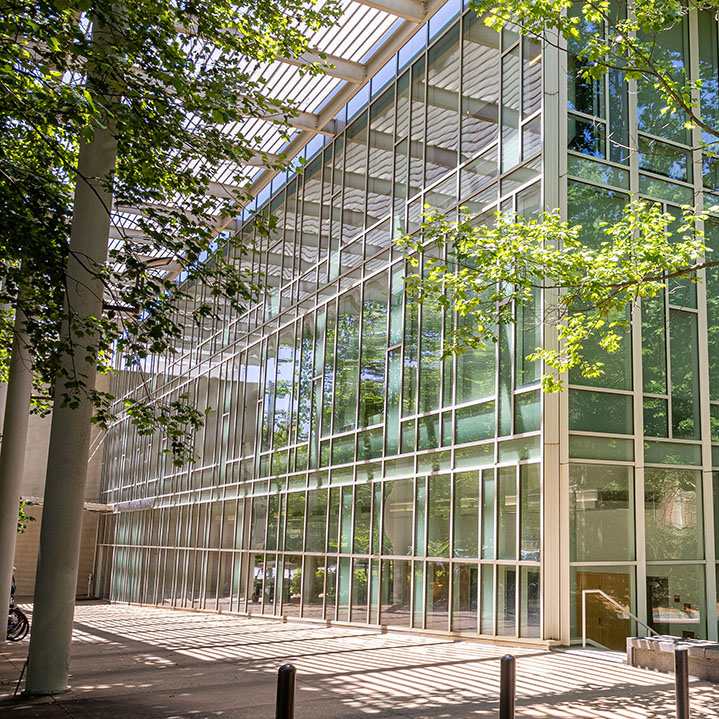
(348, 472)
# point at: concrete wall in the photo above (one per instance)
(34, 486)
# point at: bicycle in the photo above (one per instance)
(18, 625)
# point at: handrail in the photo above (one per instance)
(625, 612)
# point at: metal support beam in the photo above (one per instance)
(407, 9)
(334, 66)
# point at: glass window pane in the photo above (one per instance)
(464, 598)
(438, 514)
(676, 600)
(398, 498)
(506, 600)
(601, 513)
(466, 519)
(673, 514)
(600, 412)
(685, 374)
(362, 509)
(487, 597)
(437, 595)
(507, 513)
(488, 514)
(531, 511)
(396, 592)
(529, 602)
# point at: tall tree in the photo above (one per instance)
(136, 106)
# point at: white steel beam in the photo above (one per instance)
(408, 9)
(333, 65)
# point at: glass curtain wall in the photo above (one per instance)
(640, 436)
(347, 471)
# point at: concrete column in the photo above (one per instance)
(12, 452)
(48, 661)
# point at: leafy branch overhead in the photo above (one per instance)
(488, 272)
(176, 83)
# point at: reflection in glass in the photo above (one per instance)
(396, 592)
(398, 499)
(676, 600)
(464, 598)
(601, 513)
(466, 520)
(437, 595)
(529, 604)
(506, 600)
(673, 514)
(507, 513)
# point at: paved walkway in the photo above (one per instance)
(137, 663)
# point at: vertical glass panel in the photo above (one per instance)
(429, 360)
(347, 370)
(428, 432)
(398, 499)
(416, 162)
(676, 600)
(654, 348)
(396, 592)
(313, 587)
(362, 510)
(673, 514)
(487, 596)
(466, 514)
(360, 582)
(527, 412)
(305, 379)
(656, 417)
(601, 513)
(531, 75)
(403, 103)
(379, 175)
(283, 391)
(401, 164)
(507, 513)
(488, 513)
(329, 369)
(530, 512)
(343, 589)
(259, 517)
(353, 206)
(273, 519)
(291, 585)
(529, 602)
(510, 109)
(346, 524)
(438, 516)
(294, 527)
(270, 573)
(420, 548)
(409, 373)
(685, 374)
(464, 598)
(376, 547)
(418, 610)
(372, 365)
(333, 520)
(672, 52)
(269, 391)
(396, 304)
(316, 520)
(528, 338)
(394, 370)
(475, 373)
(506, 600)
(505, 381)
(437, 595)
(480, 85)
(442, 105)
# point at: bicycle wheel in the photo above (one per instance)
(17, 625)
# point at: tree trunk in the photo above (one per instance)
(12, 453)
(55, 587)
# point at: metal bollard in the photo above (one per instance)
(507, 680)
(681, 676)
(286, 692)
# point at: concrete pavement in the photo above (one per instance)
(140, 662)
